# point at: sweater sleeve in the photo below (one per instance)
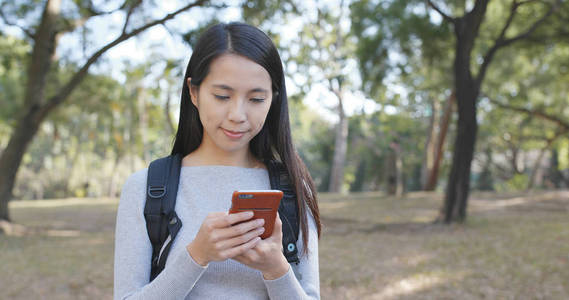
(133, 252)
(302, 281)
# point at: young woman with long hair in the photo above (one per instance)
(233, 118)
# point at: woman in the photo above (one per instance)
(234, 116)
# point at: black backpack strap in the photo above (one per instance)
(288, 208)
(162, 223)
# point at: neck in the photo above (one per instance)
(204, 156)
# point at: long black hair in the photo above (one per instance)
(274, 141)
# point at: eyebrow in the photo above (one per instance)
(226, 87)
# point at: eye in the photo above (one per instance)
(220, 97)
(257, 99)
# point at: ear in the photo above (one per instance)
(193, 91)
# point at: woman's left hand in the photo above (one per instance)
(267, 256)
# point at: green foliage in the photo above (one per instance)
(404, 51)
(89, 146)
(518, 182)
(563, 155)
(527, 77)
(405, 31)
(370, 139)
(13, 61)
(257, 12)
(420, 46)
(314, 140)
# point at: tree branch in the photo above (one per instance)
(26, 31)
(502, 41)
(509, 20)
(66, 90)
(131, 9)
(538, 113)
(86, 13)
(534, 26)
(93, 12)
(443, 15)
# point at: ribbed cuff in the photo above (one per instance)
(189, 263)
(284, 287)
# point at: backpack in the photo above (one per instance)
(163, 224)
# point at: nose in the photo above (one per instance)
(238, 111)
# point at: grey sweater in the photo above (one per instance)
(202, 190)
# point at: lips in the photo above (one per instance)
(233, 134)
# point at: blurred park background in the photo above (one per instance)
(436, 131)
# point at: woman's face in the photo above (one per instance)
(233, 101)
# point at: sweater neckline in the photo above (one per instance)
(222, 167)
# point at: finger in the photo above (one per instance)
(241, 239)
(214, 219)
(278, 224)
(239, 217)
(239, 229)
(227, 220)
(277, 229)
(230, 253)
(217, 214)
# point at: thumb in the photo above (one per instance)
(278, 228)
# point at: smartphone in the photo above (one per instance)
(263, 203)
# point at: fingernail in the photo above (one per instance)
(261, 229)
(261, 222)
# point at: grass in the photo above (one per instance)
(513, 246)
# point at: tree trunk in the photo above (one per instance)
(12, 156)
(456, 198)
(112, 191)
(537, 164)
(556, 177)
(467, 91)
(399, 187)
(340, 147)
(514, 159)
(485, 181)
(429, 156)
(28, 124)
(390, 172)
(142, 122)
(169, 122)
(70, 166)
(466, 29)
(433, 175)
(394, 170)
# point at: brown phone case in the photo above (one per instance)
(263, 203)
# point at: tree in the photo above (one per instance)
(467, 85)
(473, 51)
(523, 113)
(323, 57)
(434, 150)
(391, 51)
(37, 104)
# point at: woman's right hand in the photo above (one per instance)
(219, 239)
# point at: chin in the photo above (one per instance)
(234, 147)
